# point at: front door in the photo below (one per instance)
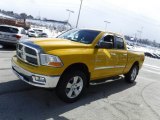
(105, 60)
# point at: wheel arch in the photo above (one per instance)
(78, 66)
(137, 64)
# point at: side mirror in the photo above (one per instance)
(107, 45)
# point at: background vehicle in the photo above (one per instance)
(148, 54)
(43, 35)
(10, 35)
(38, 31)
(152, 55)
(32, 33)
(156, 55)
(73, 59)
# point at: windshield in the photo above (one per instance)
(83, 36)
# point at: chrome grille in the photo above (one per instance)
(28, 54)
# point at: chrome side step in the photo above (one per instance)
(103, 81)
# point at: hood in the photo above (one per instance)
(48, 44)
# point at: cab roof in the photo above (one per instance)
(109, 32)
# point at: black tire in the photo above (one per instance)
(63, 89)
(130, 77)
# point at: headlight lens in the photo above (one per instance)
(50, 60)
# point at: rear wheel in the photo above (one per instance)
(132, 74)
(71, 86)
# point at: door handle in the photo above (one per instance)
(113, 53)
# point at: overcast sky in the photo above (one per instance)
(126, 16)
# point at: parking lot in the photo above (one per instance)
(114, 100)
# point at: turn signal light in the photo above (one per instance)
(55, 64)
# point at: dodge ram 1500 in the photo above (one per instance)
(74, 59)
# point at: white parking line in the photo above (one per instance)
(151, 71)
(152, 67)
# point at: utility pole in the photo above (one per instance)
(79, 13)
(135, 43)
(140, 33)
(107, 22)
(69, 11)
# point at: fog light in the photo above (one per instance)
(39, 79)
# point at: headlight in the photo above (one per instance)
(50, 60)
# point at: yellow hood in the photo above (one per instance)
(48, 44)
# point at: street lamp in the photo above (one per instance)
(140, 32)
(69, 11)
(107, 22)
(79, 13)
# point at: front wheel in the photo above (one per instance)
(132, 74)
(71, 86)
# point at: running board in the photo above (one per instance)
(105, 80)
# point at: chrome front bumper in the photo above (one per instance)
(28, 77)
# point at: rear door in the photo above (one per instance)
(121, 52)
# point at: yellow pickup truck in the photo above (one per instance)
(74, 59)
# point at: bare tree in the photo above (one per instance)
(24, 17)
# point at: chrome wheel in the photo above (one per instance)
(134, 74)
(74, 87)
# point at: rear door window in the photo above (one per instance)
(119, 43)
(8, 29)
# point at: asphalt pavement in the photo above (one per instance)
(114, 100)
